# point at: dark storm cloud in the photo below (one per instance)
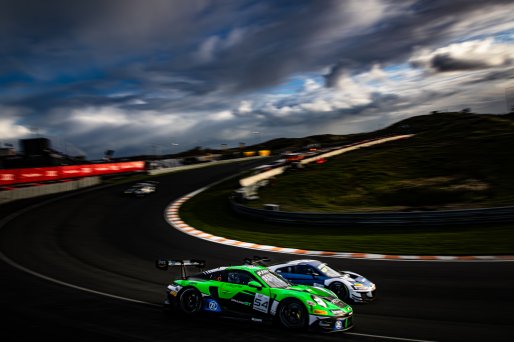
(445, 62)
(424, 23)
(199, 56)
(292, 45)
(51, 38)
(338, 70)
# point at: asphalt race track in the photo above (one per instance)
(82, 269)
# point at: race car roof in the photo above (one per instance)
(241, 267)
(301, 262)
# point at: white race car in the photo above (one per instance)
(348, 286)
(141, 189)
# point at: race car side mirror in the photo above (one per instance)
(255, 285)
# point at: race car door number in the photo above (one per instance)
(261, 303)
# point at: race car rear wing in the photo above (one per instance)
(163, 265)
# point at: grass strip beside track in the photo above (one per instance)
(209, 211)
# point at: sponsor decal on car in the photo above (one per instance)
(214, 270)
(211, 305)
(261, 303)
(240, 302)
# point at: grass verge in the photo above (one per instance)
(209, 211)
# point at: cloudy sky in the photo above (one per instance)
(143, 76)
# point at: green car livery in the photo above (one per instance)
(258, 294)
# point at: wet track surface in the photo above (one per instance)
(101, 243)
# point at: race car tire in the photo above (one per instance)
(340, 290)
(292, 314)
(189, 301)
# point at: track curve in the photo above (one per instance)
(106, 243)
(173, 217)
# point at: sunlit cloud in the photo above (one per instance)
(469, 55)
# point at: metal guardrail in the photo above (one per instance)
(415, 218)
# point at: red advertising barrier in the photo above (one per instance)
(44, 174)
(37, 174)
(7, 177)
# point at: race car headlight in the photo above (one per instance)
(358, 286)
(319, 301)
(320, 312)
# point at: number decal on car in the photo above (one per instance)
(261, 303)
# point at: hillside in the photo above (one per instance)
(456, 160)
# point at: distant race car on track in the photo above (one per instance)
(348, 286)
(257, 294)
(141, 189)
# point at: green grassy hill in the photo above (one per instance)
(455, 160)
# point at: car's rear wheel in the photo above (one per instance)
(340, 290)
(190, 301)
(293, 314)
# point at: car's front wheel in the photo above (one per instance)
(293, 314)
(190, 301)
(340, 290)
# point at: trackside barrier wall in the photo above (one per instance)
(45, 174)
(435, 218)
(47, 189)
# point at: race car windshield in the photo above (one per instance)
(273, 279)
(329, 272)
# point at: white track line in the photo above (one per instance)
(14, 264)
(53, 280)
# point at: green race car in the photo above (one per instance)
(255, 293)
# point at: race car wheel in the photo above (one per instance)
(293, 314)
(340, 290)
(190, 301)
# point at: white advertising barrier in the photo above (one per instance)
(261, 176)
(274, 172)
(351, 148)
